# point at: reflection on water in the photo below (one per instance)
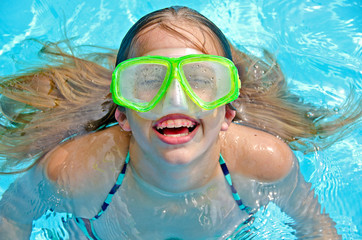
(268, 223)
(318, 44)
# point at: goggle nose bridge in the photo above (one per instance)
(174, 74)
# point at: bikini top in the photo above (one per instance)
(86, 225)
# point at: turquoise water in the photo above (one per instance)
(317, 43)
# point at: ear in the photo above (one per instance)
(229, 116)
(122, 120)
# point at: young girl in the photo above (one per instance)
(175, 166)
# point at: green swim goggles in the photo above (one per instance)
(209, 81)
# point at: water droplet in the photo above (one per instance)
(310, 114)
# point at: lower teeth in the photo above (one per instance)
(176, 135)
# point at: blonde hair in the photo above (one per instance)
(48, 105)
(70, 97)
(266, 103)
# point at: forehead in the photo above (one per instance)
(175, 37)
(172, 52)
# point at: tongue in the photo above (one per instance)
(174, 131)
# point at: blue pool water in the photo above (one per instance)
(317, 43)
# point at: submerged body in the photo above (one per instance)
(139, 209)
(77, 177)
(201, 213)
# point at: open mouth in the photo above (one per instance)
(176, 127)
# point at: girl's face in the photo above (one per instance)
(177, 136)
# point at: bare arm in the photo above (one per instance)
(296, 198)
(25, 200)
(265, 158)
(256, 154)
(64, 181)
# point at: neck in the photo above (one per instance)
(176, 178)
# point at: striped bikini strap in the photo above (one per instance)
(114, 189)
(120, 178)
(86, 225)
(235, 194)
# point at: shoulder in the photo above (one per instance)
(256, 154)
(87, 162)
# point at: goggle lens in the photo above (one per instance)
(209, 81)
(140, 83)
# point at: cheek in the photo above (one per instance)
(215, 120)
(139, 126)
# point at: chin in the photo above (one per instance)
(180, 156)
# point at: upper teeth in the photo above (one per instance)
(175, 123)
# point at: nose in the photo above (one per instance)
(175, 99)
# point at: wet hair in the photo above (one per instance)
(166, 19)
(50, 104)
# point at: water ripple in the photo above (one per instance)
(319, 46)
